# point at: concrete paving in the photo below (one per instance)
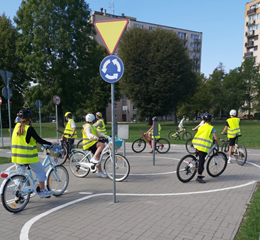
(150, 204)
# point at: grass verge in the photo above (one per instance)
(4, 160)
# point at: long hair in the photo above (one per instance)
(21, 127)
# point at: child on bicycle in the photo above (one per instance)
(150, 131)
(202, 141)
(90, 142)
(24, 149)
(181, 125)
(233, 130)
(70, 129)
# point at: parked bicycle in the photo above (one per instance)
(239, 151)
(184, 135)
(80, 164)
(162, 145)
(188, 165)
(191, 149)
(18, 186)
(64, 142)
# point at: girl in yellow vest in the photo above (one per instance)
(150, 131)
(24, 149)
(91, 143)
(100, 124)
(233, 130)
(202, 141)
(70, 129)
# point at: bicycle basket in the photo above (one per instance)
(118, 143)
(55, 151)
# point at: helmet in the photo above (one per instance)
(155, 118)
(233, 112)
(207, 117)
(184, 116)
(25, 113)
(99, 114)
(68, 114)
(90, 117)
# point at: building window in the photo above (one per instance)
(151, 28)
(138, 25)
(255, 27)
(134, 108)
(193, 44)
(194, 36)
(196, 54)
(182, 34)
(254, 17)
(115, 106)
(255, 48)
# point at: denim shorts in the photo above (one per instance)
(37, 168)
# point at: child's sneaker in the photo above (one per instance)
(101, 174)
(93, 160)
(229, 160)
(44, 193)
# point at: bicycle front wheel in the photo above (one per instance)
(186, 136)
(241, 154)
(187, 168)
(13, 198)
(217, 164)
(75, 164)
(189, 146)
(173, 135)
(58, 180)
(122, 167)
(138, 145)
(80, 144)
(162, 145)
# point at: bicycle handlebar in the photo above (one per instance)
(63, 133)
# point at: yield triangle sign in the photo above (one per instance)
(111, 32)
(26, 105)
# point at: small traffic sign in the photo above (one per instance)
(111, 68)
(111, 32)
(38, 103)
(56, 100)
(0, 101)
(26, 105)
(5, 93)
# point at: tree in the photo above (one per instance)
(57, 49)
(157, 70)
(10, 61)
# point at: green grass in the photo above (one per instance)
(250, 227)
(4, 160)
(249, 130)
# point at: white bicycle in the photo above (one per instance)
(80, 164)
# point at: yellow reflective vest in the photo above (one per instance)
(103, 128)
(22, 152)
(69, 130)
(233, 129)
(203, 138)
(87, 143)
(159, 132)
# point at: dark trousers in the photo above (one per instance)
(71, 143)
(202, 156)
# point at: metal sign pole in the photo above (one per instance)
(40, 121)
(153, 150)
(57, 125)
(124, 147)
(113, 139)
(9, 111)
(1, 127)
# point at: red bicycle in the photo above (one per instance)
(162, 145)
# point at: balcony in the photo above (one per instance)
(184, 38)
(250, 33)
(248, 54)
(196, 49)
(249, 44)
(195, 58)
(251, 11)
(196, 40)
(250, 23)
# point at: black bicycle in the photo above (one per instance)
(64, 142)
(191, 149)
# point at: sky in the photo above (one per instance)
(221, 22)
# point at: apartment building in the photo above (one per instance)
(252, 20)
(125, 111)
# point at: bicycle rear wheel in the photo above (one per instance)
(186, 136)
(189, 146)
(65, 154)
(138, 145)
(57, 181)
(217, 164)
(13, 199)
(162, 145)
(241, 155)
(75, 164)
(173, 135)
(80, 144)
(122, 167)
(187, 168)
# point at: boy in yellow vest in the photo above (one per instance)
(202, 141)
(233, 130)
(70, 129)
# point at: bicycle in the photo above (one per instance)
(162, 145)
(64, 142)
(176, 135)
(80, 164)
(18, 186)
(191, 149)
(188, 165)
(239, 151)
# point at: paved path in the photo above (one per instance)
(151, 204)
